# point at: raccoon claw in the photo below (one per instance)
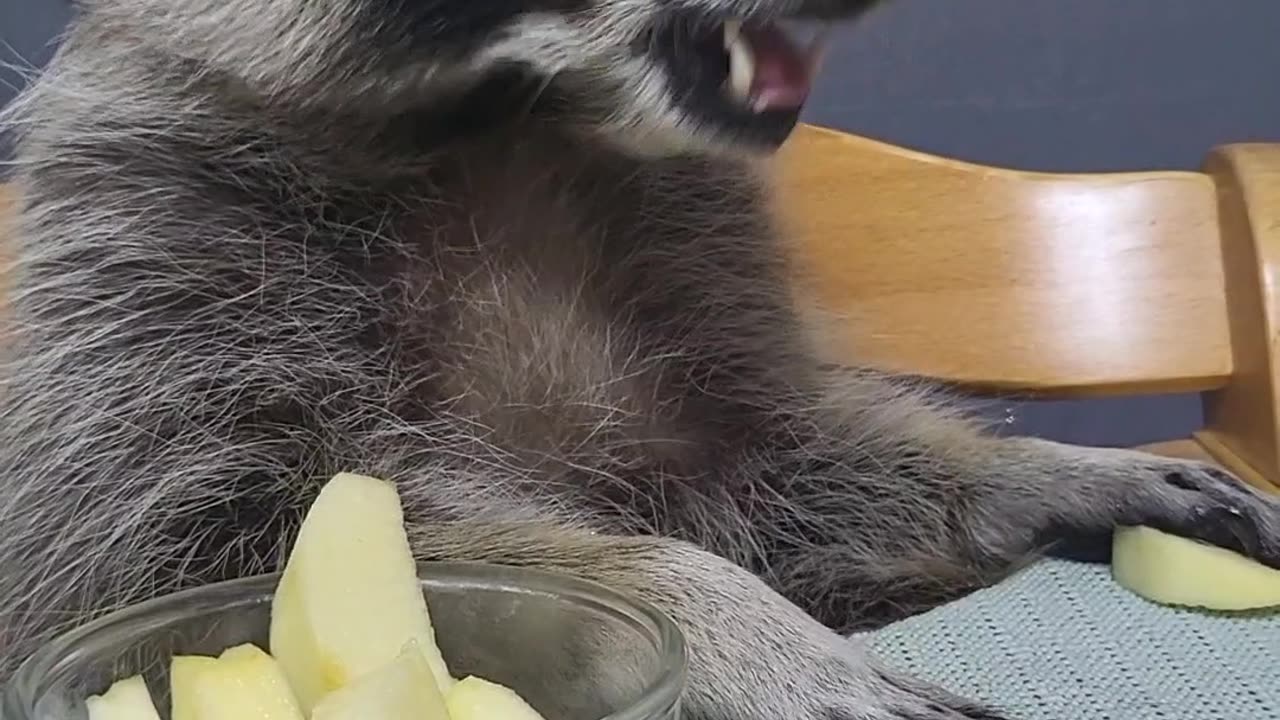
(1205, 503)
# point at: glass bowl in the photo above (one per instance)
(572, 649)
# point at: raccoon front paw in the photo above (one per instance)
(1206, 503)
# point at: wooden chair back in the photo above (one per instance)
(1051, 285)
(1047, 284)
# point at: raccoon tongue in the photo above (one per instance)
(782, 74)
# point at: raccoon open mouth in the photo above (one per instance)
(766, 69)
(747, 76)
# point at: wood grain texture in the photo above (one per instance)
(998, 279)
(1243, 418)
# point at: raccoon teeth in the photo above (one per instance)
(741, 61)
(732, 31)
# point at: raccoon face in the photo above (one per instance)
(656, 77)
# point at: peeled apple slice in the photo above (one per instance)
(349, 597)
(474, 698)
(1174, 570)
(244, 682)
(247, 683)
(185, 673)
(403, 690)
(126, 699)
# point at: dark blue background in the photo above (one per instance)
(1036, 84)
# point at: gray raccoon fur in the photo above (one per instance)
(491, 252)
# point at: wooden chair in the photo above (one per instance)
(1050, 285)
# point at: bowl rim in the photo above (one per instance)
(662, 693)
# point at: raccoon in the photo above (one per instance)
(515, 256)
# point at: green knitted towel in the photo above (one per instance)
(1063, 641)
